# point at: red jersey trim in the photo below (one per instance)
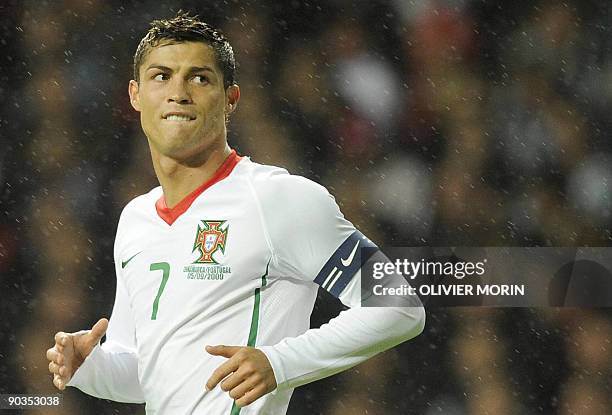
(170, 215)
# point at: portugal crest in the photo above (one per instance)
(209, 239)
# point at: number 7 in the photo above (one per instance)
(165, 267)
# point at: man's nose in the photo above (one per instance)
(179, 92)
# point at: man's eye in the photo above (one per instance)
(160, 77)
(200, 79)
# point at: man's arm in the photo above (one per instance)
(351, 338)
(356, 335)
(309, 235)
(311, 240)
(110, 371)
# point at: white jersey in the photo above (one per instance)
(238, 262)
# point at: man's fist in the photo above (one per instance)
(70, 351)
(247, 372)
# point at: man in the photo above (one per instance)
(218, 269)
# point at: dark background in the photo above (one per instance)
(457, 122)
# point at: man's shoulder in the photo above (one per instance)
(143, 203)
(287, 194)
(136, 214)
(277, 183)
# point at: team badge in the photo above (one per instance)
(210, 242)
(209, 239)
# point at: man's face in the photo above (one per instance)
(181, 99)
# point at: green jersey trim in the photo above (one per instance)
(254, 325)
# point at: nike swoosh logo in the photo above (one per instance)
(347, 262)
(124, 263)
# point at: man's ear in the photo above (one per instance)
(232, 96)
(134, 98)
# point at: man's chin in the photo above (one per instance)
(178, 130)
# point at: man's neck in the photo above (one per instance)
(180, 179)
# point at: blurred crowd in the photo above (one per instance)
(442, 123)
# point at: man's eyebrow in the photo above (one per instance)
(157, 66)
(193, 69)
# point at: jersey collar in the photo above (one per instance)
(170, 215)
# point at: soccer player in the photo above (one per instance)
(218, 269)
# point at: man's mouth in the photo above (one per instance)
(178, 117)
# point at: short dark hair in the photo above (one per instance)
(185, 28)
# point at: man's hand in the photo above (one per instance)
(248, 374)
(70, 351)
